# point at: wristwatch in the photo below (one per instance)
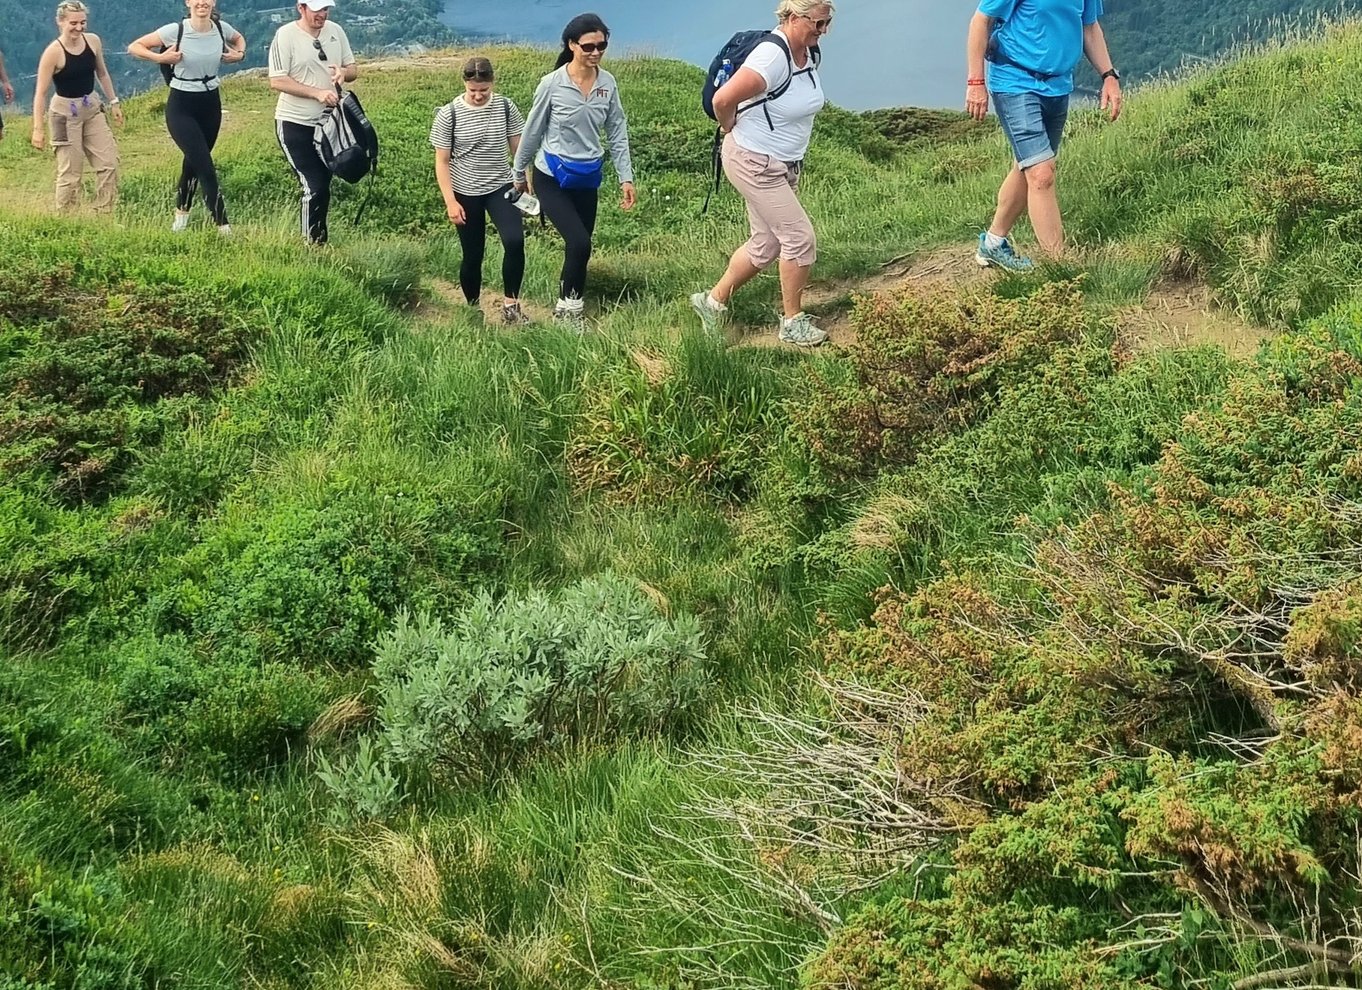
(1112, 74)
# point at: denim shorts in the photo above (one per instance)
(1034, 124)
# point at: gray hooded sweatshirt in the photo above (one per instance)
(564, 123)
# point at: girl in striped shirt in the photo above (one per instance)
(474, 137)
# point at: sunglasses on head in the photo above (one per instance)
(819, 24)
(321, 52)
(592, 47)
(477, 75)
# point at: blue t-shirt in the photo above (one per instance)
(1044, 35)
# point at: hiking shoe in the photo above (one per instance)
(180, 224)
(572, 319)
(1001, 256)
(513, 316)
(711, 316)
(800, 331)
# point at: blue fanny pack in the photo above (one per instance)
(576, 175)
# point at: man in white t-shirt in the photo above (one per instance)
(309, 59)
(767, 110)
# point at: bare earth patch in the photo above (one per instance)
(1184, 314)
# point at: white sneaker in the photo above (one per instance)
(225, 230)
(572, 317)
(180, 224)
(711, 313)
(800, 331)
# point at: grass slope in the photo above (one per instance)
(202, 779)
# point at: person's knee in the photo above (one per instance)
(579, 249)
(1041, 176)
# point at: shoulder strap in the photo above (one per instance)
(222, 35)
(784, 46)
(179, 37)
(452, 117)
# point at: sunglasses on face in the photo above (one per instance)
(321, 52)
(819, 24)
(592, 48)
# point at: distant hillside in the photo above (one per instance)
(1149, 37)
(371, 24)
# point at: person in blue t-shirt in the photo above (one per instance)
(1032, 47)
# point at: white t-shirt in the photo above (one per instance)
(791, 115)
(202, 51)
(295, 53)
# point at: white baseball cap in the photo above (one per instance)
(318, 4)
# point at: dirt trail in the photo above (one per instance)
(1174, 314)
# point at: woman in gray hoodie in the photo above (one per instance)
(572, 106)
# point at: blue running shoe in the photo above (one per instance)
(1001, 256)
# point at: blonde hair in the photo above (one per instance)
(71, 7)
(801, 8)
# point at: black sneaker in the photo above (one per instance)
(513, 316)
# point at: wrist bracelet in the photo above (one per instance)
(974, 82)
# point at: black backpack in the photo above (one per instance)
(738, 49)
(347, 143)
(168, 71)
(735, 53)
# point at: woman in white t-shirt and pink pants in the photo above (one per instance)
(763, 154)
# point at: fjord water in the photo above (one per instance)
(879, 53)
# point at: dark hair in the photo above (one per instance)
(478, 69)
(578, 26)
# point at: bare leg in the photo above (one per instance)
(1012, 200)
(793, 278)
(1042, 205)
(740, 272)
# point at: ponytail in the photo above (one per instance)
(578, 26)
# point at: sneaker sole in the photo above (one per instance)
(802, 343)
(983, 262)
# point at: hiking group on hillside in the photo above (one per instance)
(763, 90)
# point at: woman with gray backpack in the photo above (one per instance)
(191, 53)
(474, 137)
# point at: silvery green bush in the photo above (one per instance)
(505, 679)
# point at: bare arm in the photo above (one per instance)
(102, 71)
(46, 66)
(453, 209)
(746, 84)
(236, 49)
(4, 82)
(1095, 48)
(141, 48)
(976, 46)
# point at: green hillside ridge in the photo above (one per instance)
(353, 643)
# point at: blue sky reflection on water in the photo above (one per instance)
(880, 52)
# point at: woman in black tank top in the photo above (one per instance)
(76, 116)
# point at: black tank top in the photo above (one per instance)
(77, 77)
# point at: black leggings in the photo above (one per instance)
(313, 176)
(573, 213)
(194, 120)
(473, 239)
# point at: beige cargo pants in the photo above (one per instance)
(80, 132)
